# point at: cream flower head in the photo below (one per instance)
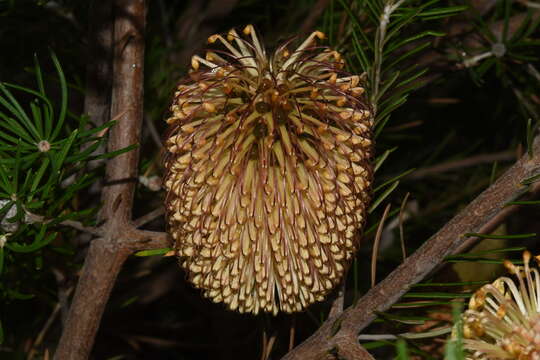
(269, 171)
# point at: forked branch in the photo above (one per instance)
(108, 253)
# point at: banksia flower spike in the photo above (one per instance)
(268, 172)
(503, 318)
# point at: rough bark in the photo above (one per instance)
(107, 254)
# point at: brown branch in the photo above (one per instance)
(376, 242)
(79, 226)
(149, 217)
(102, 264)
(337, 304)
(462, 163)
(134, 239)
(450, 239)
(33, 218)
(350, 349)
(127, 92)
(492, 224)
(50, 320)
(107, 254)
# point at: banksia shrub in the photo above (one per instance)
(268, 172)
(503, 319)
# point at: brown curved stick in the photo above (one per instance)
(107, 254)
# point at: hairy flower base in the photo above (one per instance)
(268, 173)
(503, 320)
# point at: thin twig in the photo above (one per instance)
(475, 60)
(462, 163)
(408, 335)
(133, 239)
(376, 243)
(44, 330)
(47, 325)
(314, 14)
(33, 218)
(533, 71)
(521, 98)
(64, 292)
(337, 304)
(401, 237)
(79, 226)
(380, 38)
(292, 332)
(199, 20)
(264, 344)
(270, 346)
(153, 131)
(530, 4)
(149, 217)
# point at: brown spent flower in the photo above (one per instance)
(503, 318)
(268, 172)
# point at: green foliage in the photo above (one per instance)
(508, 46)
(454, 346)
(385, 40)
(402, 351)
(384, 54)
(152, 252)
(44, 155)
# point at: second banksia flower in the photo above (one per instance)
(503, 318)
(268, 161)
